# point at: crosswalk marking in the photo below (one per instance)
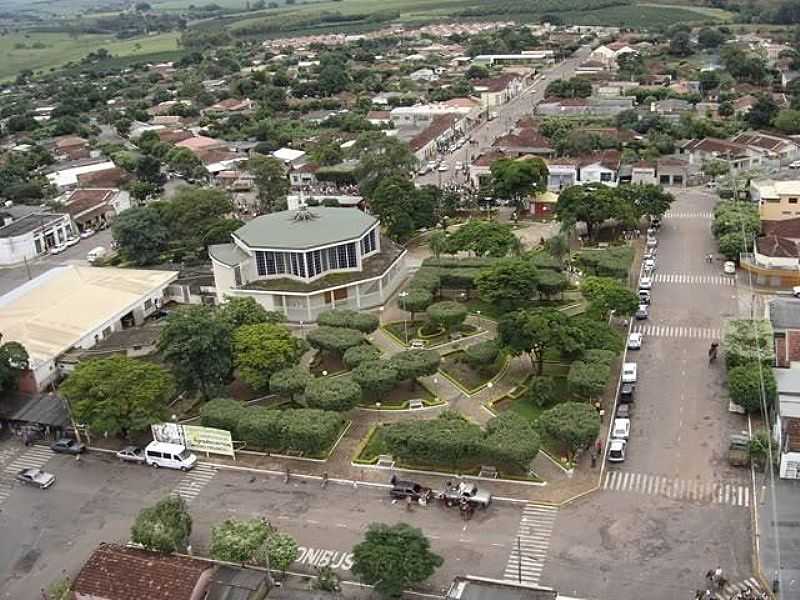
(34, 457)
(6, 485)
(734, 588)
(690, 279)
(529, 549)
(678, 214)
(679, 489)
(194, 481)
(698, 333)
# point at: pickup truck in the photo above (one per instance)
(466, 491)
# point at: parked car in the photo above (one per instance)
(57, 249)
(616, 450)
(624, 411)
(132, 454)
(466, 490)
(417, 345)
(635, 341)
(72, 241)
(642, 313)
(650, 264)
(794, 164)
(629, 372)
(645, 282)
(626, 391)
(644, 297)
(36, 477)
(87, 233)
(67, 446)
(621, 429)
(443, 167)
(729, 267)
(170, 456)
(409, 489)
(796, 291)
(652, 242)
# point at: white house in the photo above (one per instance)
(786, 430)
(290, 157)
(33, 235)
(423, 75)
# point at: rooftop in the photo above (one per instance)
(787, 228)
(116, 572)
(777, 247)
(775, 189)
(28, 223)
(54, 311)
(373, 266)
(324, 226)
(784, 313)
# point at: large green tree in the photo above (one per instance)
(534, 332)
(164, 527)
(291, 381)
(141, 234)
(447, 314)
(484, 238)
(238, 540)
(332, 393)
(606, 294)
(515, 179)
(588, 379)
(271, 181)
(244, 310)
(411, 364)
(415, 300)
(394, 558)
(508, 284)
(573, 424)
(197, 344)
(263, 349)
(334, 340)
(278, 552)
(380, 156)
(747, 383)
(375, 377)
(13, 361)
(119, 395)
(591, 204)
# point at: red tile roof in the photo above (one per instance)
(526, 137)
(717, 145)
(777, 247)
(770, 142)
(119, 573)
(438, 126)
(495, 84)
(113, 177)
(610, 159)
(173, 136)
(486, 160)
(786, 228)
(383, 115)
(85, 199)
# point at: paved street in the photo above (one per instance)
(97, 498)
(13, 277)
(674, 508)
(508, 114)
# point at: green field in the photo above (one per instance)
(60, 48)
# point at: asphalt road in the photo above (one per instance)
(484, 135)
(13, 277)
(674, 508)
(96, 500)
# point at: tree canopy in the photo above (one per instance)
(244, 310)
(509, 284)
(573, 424)
(164, 527)
(748, 341)
(119, 395)
(744, 386)
(13, 361)
(333, 393)
(447, 314)
(238, 540)
(271, 182)
(263, 349)
(533, 332)
(291, 381)
(394, 558)
(335, 340)
(606, 294)
(197, 344)
(516, 179)
(344, 317)
(483, 238)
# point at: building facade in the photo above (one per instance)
(303, 262)
(33, 235)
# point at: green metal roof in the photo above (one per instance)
(228, 254)
(321, 226)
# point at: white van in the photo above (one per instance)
(96, 253)
(171, 456)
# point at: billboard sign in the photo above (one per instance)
(200, 439)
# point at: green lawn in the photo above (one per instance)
(60, 48)
(456, 367)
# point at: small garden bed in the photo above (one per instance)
(373, 446)
(332, 364)
(399, 397)
(416, 330)
(456, 368)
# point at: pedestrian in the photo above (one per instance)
(710, 576)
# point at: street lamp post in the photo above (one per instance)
(405, 318)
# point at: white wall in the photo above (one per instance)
(14, 250)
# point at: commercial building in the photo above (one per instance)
(33, 235)
(777, 200)
(76, 307)
(303, 262)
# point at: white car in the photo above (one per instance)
(616, 450)
(36, 478)
(443, 167)
(794, 165)
(652, 242)
(635, 340)
(629, 373)
(457, 165)
(417, 344)
(650, 264)
(58, 249)
(729, 267)
(86, 233)
(622, 429)
(645, 283)
(72, 241)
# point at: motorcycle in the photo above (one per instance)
(712, 352)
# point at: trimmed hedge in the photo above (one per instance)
(350, 319)
(306, 430)
(475, 262)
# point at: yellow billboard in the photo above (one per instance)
(208, 439)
